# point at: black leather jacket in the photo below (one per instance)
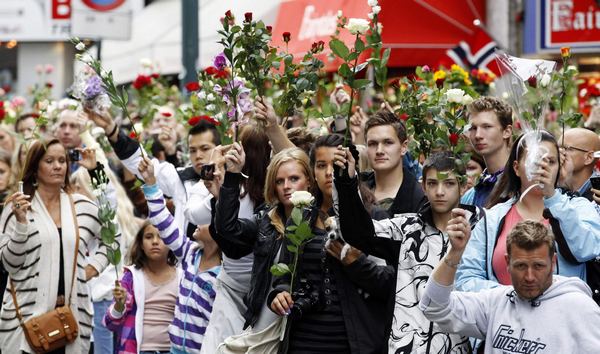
(239, 237)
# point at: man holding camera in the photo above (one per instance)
(539, 313)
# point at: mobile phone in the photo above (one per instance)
(74, 155)
(595, 182)
(207, 172)
(20, 186)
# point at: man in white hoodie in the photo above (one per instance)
(539, 313)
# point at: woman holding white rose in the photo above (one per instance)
(338, 293)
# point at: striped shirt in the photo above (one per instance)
(31, 257)
(196, 290)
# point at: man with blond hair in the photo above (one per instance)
(527, 317)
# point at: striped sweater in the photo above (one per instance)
(196, 289)
(31, 254)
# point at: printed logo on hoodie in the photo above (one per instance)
(504, 340)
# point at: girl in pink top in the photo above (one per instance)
(144, 301)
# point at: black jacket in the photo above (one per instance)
(240, 237)
(410, 197)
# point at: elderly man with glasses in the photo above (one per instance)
(578, 162)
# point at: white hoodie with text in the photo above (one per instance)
(564, 319)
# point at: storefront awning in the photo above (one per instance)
(418, 31)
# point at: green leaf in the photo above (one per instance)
(344, 70)
(280, 269)
(292, 248)
(339, 48)
(107, 236)
(360, 84)
(291, 228)
(385, 57)
(352, 56)
(116, 257)
(359, 45)
(297, 216)
(304, 231)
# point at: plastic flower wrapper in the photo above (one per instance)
(526, 85)
(88, 89)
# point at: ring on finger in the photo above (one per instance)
(18, 205)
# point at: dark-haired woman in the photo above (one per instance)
(574, 220)
(37, 247)
(144, 301)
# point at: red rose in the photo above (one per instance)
(192, 86)
(518, 125)
(132, 135)
(228, 14)
(211, 70)
(248, 16)
(34, 115)
(565, 52)
(222, 74)
(166, 114)
(439, 83)
(141, 81)
(404, 117)
(2, 112)
(269, 29)
(1, 104)
(453, 139)
(210, 120)
(532, 81)
(194, 120)
(287, 36)
(155, 75)
(49, 85)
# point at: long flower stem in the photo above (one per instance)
(346, 136)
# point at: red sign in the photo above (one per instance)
(573, 23)
(61, 9)
(103, 5)
(418, 31)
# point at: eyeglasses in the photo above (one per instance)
(574, 148)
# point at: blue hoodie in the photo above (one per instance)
(579, 222)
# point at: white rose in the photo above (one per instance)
(97, 193)
(146, 62)
(545, 80)
(455, 95)
(357, 25)
(467, 100)
(301, 198)
(210, 107)
(201, 95)
(376, 9)
(572, 68)
(379, 27)
(372, 3)
(340, 14)
(583, 92)
(43, 105)
(210, 97)
(80, 46)
(370, 15)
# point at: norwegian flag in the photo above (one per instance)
(477, 52)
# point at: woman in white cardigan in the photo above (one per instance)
(37, 248)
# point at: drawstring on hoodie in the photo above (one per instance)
(535, 302)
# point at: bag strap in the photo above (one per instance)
(76, 246)
(12, 285)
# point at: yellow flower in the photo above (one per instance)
(440, 74)
(468, 82)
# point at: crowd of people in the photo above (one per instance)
(405, 255)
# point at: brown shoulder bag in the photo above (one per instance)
(53, 329)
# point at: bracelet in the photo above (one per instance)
(113, 131)
(450, 264)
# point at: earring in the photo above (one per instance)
(34, 183)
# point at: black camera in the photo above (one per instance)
(74, 155)
(306, 299)
(207, 172)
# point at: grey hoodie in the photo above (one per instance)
(564, 319)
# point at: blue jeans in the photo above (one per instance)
(103, 338)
